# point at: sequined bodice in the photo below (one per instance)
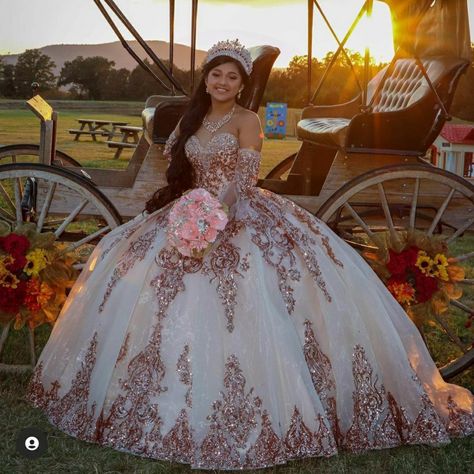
(220, 161)
(215, 163)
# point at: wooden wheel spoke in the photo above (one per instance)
(70, 217)
(454, 337)
(7, 216)
(7, 198)
(386, 211)
(414, 203)
(440, 212)
(18, 197)
(462, 306)
(90, 237)
(462, 258)
(46, 206)
(359, 220)
(461, 229)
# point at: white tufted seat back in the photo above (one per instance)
(405, 84)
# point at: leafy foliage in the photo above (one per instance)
(33, 66)
(87, 76)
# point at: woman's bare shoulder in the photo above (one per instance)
(247, 118)
(250, 130)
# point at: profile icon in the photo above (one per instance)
(31, 442)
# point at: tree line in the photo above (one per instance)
(91, 78)
(96, 78)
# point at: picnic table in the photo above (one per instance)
(129, 137)
(95, 127)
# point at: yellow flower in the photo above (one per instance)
(424, 263)
(434, 271)
(9, 280)
(37, 260)
(443, 273)
(4, 262)
(440, 260)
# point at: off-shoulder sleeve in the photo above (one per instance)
(246, 172)
(169, 144)
(246, 177)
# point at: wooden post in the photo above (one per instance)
(48, 127)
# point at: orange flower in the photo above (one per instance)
(37, 294)
(403, 292)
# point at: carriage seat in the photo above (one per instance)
(155, 102)
(162, 113)
(404, 116)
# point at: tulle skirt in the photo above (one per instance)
(280, 344)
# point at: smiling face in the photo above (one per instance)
(224, 82)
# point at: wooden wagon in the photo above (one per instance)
(361, 166)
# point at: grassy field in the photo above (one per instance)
(66, 454)
(19, 125)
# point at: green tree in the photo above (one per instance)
(88, 76)
(143, 85)
(33, 66)
(117, 85)
(7, 81)
(290, 85)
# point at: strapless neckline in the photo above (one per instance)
(206, 146)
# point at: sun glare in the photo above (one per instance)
(374, 32)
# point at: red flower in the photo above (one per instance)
(396, 263)
(426, 286)
(12, 298)
(411, 255)
(15, 244)
(399, 263)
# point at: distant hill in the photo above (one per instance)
(60, 53)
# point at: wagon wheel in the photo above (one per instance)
(58, 201)
(29, 153)
(281, 168)
(419, 197)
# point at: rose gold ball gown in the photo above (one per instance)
(281, 343)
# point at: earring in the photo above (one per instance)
(207, 90)
(239, 94)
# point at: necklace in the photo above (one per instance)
(212, 127)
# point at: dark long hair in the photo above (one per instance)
(180, 174)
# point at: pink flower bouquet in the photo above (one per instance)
(194, 221)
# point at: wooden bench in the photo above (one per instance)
(95, 127)
(129, 137)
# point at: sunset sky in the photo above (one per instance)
(34, 23)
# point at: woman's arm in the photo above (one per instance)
(171, 141)
(248, 159)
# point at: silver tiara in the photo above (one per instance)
(233, 49)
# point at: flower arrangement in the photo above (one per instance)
(194, 221)
(35, 274)
(418, 271)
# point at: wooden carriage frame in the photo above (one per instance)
(355, 177)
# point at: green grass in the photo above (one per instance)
(67, 454)
(19, 125)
